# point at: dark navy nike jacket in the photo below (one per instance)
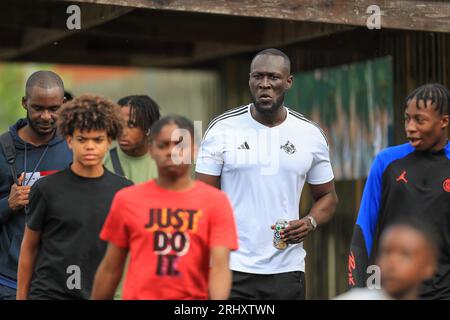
(12, 224)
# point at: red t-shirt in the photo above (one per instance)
(169, 235)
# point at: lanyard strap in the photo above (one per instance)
(25, 182)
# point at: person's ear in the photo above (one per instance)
(289, 81)
(24, 103)
(428, 271)
(429, 265)
(444, 121)
(69, 141)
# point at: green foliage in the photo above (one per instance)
(11, 92)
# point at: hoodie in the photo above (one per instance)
(41, 160)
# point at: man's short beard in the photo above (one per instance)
(33, 125)
(276, 106)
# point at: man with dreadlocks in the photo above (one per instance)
(410, 180)
(61, 249)
(131, 159)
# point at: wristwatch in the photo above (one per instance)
(313, 222)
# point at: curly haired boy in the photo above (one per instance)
(61, 249)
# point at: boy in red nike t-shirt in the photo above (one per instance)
(179, 231)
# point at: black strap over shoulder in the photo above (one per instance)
(116, 162)
(9, 150)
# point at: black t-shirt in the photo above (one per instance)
(69, 211)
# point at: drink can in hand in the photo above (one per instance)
(280, 225)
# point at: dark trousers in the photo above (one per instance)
(281, 286)
(7, 293)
